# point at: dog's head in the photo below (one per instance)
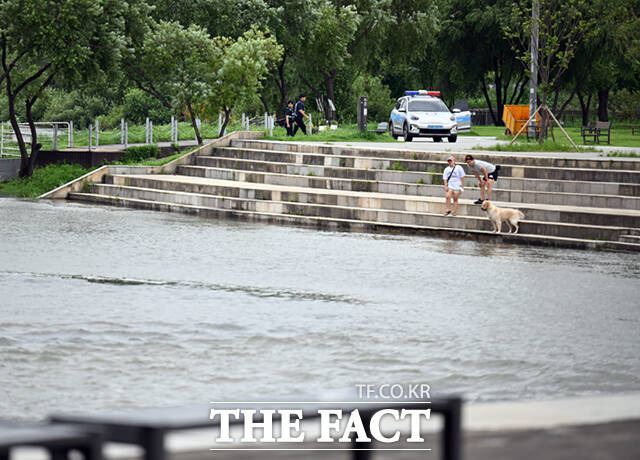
(486, 204)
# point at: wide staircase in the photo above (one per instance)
(567, 202)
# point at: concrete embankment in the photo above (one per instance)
(579, 203)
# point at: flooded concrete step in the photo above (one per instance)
(630, 238)
(425, 188)
(387, 150)
(357, 225)
(436, 166)
(375, 214)
(415, 177)
(360, 199)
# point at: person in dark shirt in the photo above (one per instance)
(289, 118)
(300, 115)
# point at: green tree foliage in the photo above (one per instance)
(379, 98)
(66, 41)
(237, 70)
(327, 49)
(562, 28)
(175, 64)
(476, 54)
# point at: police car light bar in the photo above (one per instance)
(422, 92)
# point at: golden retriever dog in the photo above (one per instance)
(498, 215)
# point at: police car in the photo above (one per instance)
(422, 114)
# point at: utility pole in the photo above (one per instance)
(533, 89)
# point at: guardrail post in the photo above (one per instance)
(122, 130)
(310, 126)
(1, 139)
(90, 135)
(126, 134)
(97, 133)
(71, 133)
(55, 136)
(150, 132)
(146, 131)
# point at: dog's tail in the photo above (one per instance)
(520, 214)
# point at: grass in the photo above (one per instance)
(43, 179)
(533, 146)
(345, 133)
(49, 177)
(620, 137)
(621, 153)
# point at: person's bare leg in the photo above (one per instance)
(456, 195)
(489, 189)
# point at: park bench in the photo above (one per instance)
(148, 428)
(634, 130)
(596, 130)
(59, 440)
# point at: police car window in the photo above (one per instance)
(427, 106)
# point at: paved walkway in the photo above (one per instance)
(467, 144)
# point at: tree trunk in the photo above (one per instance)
(488, 99)
(279, 79)
(35, 146)
(584, 107)
(544, 120)
(265, 103)
(225, 122)
(603, 102)
(194, 123)
(329, 84)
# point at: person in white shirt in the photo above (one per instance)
(453, 185)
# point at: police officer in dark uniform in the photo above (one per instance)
(300, 115)
(289, 118)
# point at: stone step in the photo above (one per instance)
(630, 238)
(338, 160)
(413, 177)
(409, 189)
(350, 212)
(388, 151)
(356, 225)
(362, 199)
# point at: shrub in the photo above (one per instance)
(139, 153)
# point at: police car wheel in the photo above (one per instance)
(391, 132)
(405, 132)
(453, 138)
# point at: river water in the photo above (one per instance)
(104, 307)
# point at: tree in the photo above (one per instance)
(66, 41)
(291, 21)
(174, 67)
(562, 27)
(327, 49)
(479, 57)
(238, 68)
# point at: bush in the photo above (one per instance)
(139, 153)
(379, 100)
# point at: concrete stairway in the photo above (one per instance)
(574, 203)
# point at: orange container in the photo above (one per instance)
(515, 117)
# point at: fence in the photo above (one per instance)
(51, 131)
(60, 135)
